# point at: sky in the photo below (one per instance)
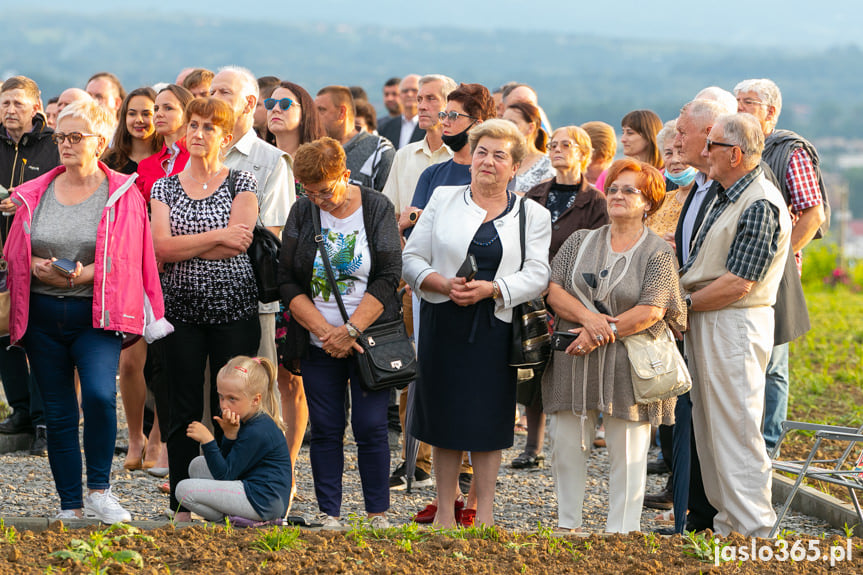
(790, 23)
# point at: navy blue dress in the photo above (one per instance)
(465, 395)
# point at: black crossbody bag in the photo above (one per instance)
(389, 358)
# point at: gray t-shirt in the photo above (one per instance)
(67, 232)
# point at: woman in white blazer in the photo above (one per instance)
(465, 395)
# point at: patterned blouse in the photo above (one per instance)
(200, 291)
(664, 220)
(540, 171)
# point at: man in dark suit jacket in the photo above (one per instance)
(404, 129)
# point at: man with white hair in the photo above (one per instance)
(238, 88)
(408, 165)
(795, 163)
(731, 279)
(404, 129)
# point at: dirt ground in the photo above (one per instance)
(409, 549)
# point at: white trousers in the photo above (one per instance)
(728, 352)
(628, 442)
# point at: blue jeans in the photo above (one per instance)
(326, 381)
(776, 395)
(60, 337)
(22, 393)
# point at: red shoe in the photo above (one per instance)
(165, 487)
(427, 515)
(466, 517)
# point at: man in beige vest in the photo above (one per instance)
(731, 278)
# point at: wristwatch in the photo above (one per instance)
(688, 299)
(352, 330)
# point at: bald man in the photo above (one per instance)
(69, 96)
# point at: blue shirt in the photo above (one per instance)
(259, 457)
(444, 174)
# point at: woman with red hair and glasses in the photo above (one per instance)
(630, 274)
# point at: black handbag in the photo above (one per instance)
(264, 255)
(389, 358)
(531, 342)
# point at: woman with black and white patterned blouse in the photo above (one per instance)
(202, 222)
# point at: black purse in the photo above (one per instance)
(264, 255)
(531, 342)
(389, 358)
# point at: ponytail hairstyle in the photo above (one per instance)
(530, 113)
(260, 375)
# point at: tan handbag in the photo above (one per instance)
(658, 370)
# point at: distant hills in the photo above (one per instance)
(579, 76)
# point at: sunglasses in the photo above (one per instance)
(452, 116)
(74, 137)
(711, 143)
(284, 103)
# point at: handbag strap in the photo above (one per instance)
(521, 226)
(232, 189)
(586, 301)
(319, 240)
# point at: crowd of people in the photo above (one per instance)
(127, 220)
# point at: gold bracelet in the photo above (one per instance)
(495, 293)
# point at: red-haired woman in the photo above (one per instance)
(632, 272)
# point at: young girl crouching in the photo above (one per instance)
(250, 475)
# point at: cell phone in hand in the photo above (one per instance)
(65, 266)
(468, 269)
(560, 340)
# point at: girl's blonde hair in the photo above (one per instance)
(260, 376)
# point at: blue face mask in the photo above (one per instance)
(683, 178)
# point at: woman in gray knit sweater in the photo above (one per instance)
(629, 274)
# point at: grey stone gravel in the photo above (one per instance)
(524, 499)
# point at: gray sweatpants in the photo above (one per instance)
(213, 499)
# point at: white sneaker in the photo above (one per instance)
(105, 507)
(67, 514)
(328, 521)
(379, 522)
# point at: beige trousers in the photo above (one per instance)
(628, 443)
(728, 351)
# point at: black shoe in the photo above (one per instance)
(39, 446)
(662, 500)
(18, 422)
(657, 467)
(397, 479)
(464, 481)
(527, 461)
(670, 530)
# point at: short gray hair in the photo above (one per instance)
(766, 89)
(502, 130)
(743, 130)
(99, 120)
(717, 94)
(249, 82)
(447, 84)
(669, 130)
(704, 111)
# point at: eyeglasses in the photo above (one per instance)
(284, 103)
(628, 190)
(74, 137)
(325, 194)
(711, 143)
(563, 145)
(452, 116)
(751, 102)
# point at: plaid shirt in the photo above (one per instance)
(801, 182)
(756, 241)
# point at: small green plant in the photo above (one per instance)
(518, 546)
(277, 539)
(849, 531)
(705, 549)
(358, 531)
(405, 545)
(102, 548)
(228, 528)
(651, 542)
(460, 555)
(9, 534)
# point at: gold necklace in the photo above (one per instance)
(204, 184)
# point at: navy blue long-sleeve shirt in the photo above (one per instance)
(260, 458)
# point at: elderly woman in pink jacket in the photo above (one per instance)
(82, 272)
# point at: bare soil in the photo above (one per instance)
(219, 549)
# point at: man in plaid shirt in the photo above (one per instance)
(794, 161)
(731, 278)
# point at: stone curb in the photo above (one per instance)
(810, 501)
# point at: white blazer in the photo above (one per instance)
(441, 238)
